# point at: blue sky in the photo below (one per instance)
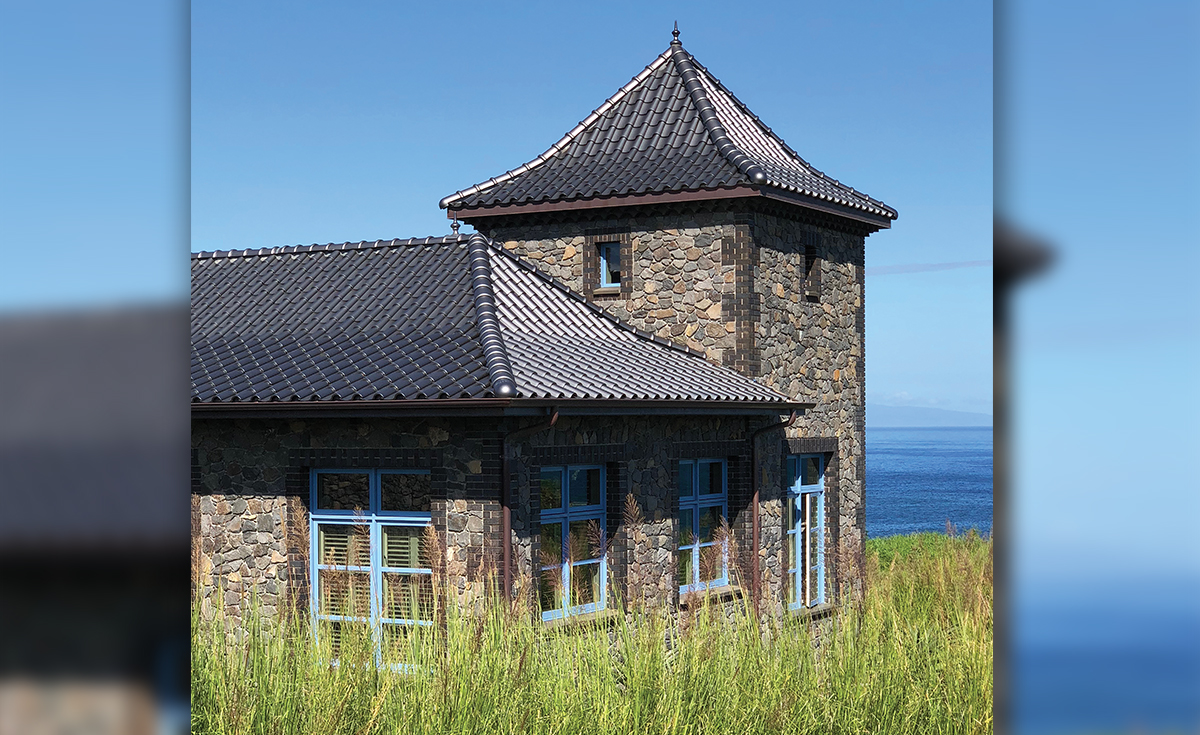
(1105, 129)
(94, 158)
(312, 123)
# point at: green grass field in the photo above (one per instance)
(914, 656)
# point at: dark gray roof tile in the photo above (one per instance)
(664, 133)
(406, 320)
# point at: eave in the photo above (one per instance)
(471, 215)
(450, 407)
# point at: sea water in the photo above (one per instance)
(1084, 661)
(919, 479)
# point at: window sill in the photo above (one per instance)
(607, 291)
(604, 616)
(726, 593)
(816, 612)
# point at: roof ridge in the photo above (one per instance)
(708, 116)
(562, 142)
(361, 245)
(484, 297)
(774, 136)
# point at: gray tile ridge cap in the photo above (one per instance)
(483, 296)
(564, 141)
(646, 336)
(708, 116)
(331, 246)
(885, 208)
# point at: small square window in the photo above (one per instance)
(610, 264)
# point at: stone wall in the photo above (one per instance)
(240, 465)
(251, 496)
(679, 280)
(241, 550)
(816, 350)
(730, 283)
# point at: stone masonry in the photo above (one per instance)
(733, 281)
(251, 496)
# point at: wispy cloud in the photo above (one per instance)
(887, 270)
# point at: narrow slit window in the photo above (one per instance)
(812, 274)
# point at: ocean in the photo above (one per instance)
(918, 479)
(1084, 661)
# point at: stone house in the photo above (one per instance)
(640, 379)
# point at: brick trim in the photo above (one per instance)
(591, 260)
(741, 305)
(197, 476)
(811, 445)
(615, 475)
(575, 454)
(709, 449)
(368, 458)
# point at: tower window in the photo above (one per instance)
(812, 274)
(610, 264)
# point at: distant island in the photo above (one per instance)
(879, 417)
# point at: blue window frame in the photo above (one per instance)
(610, 264)
(703, 557)
(368, 561)
(805, 542)
(574, 565)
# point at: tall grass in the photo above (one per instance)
(913, 656)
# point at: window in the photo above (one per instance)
(369, 558)
(812, 274)
(702, 560)
(805, 543)
(610, 264)
(573, 562)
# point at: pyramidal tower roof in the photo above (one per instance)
(674, 130)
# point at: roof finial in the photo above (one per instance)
(675, 33)
(454, 225)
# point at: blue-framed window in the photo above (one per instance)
(702, 560)
(805, 542)
(368, 557)
(610, 263)
(574, 566)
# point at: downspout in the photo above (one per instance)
(511, 438)
(756, 577)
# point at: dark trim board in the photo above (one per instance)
(471, 214)
(486, 407)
